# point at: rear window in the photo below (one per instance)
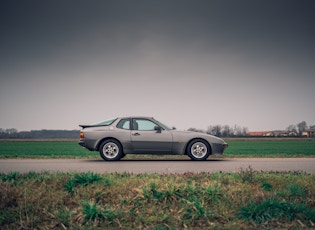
(124, 124)
(104, 123)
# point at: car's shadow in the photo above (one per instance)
(157, 160)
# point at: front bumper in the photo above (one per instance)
(219, 148)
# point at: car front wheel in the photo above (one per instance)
(111, 150)
(198, 150)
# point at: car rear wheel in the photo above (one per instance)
(111, 150)
(198, 150)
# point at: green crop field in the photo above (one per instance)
(271, 148)
(43, 149)
(237, 148)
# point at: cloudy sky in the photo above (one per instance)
(187, 63)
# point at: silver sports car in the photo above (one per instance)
(144, 135)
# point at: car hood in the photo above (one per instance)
(197, 135)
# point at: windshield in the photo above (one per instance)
(164, 126)
(107, 122)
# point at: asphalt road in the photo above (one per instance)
(157, 166)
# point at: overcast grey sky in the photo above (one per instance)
(187, 63)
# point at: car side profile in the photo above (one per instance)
(117, 137)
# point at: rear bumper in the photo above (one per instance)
(83, 144)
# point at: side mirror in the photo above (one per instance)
(158, 129)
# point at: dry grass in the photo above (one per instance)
(246, 199)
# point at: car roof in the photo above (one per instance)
(145, 117)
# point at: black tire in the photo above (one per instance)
(198, 150)
(111, 150)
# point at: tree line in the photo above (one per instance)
(39, 134)
(224, 130)
(238, 131)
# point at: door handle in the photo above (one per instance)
(136, 134)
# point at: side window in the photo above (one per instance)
(143, 125)
(124, 124)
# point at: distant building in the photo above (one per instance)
(308, 133)
(272, 134)
(284, 134)
(258, 134)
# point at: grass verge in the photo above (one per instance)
(243, 200)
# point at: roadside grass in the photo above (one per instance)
(241, 200)
(237, 148)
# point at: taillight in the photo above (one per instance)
(81, 134)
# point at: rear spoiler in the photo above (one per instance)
(88, 126)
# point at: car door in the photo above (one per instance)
(148, 137)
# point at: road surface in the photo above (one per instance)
(157, 166)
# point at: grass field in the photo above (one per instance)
(271, 148)
(237, 148)
(243, 200)
(43, 149)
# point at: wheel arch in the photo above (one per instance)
(195, 139)
(108, 138)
